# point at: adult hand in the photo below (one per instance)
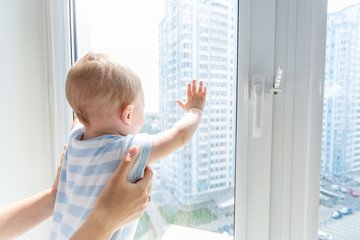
(119, 203)
(22, 216)
(54, 188)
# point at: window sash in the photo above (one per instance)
(301, 41)
(289, 177)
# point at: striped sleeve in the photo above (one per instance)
(144, 143)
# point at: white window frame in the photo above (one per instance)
(59, 57)
(307, 114)
(253, 161)
(283, 167)
(297, 121)
(284, 164)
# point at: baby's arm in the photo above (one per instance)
(172, 139)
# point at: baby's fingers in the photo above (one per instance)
(181, 104)
(200, 90)
(189, 92)
(194, 87)
(203, 94)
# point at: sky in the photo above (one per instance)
(127, 31)
(337, 5)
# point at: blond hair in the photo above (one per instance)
(96, 82)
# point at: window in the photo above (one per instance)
(340, 173)
(277, 196)
(168, 47)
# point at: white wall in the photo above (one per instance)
(25, 143)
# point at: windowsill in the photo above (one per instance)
(175, 232)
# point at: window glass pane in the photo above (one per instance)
(339, 215)
(169, 43)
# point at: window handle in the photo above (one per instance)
(257, 95)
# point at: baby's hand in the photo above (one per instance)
(195, 99)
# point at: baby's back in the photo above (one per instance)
(87, 167)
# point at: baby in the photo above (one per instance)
(108, 100)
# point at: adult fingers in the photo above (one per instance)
(148, 175)
(63, 154)
(61, 161)
(126, 163)
(146, 181)
(58, 172)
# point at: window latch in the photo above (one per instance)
(277, 80)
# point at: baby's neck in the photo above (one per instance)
(105, 126)
(90, 135)
(93, 133)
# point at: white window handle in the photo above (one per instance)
(257, 95)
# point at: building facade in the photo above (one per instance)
(198, 41)
(341, 115)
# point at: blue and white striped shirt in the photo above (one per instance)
(87, 167)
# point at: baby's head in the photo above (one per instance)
(97, 86)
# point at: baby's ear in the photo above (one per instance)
(127, 113)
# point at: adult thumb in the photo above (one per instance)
(126, 163)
